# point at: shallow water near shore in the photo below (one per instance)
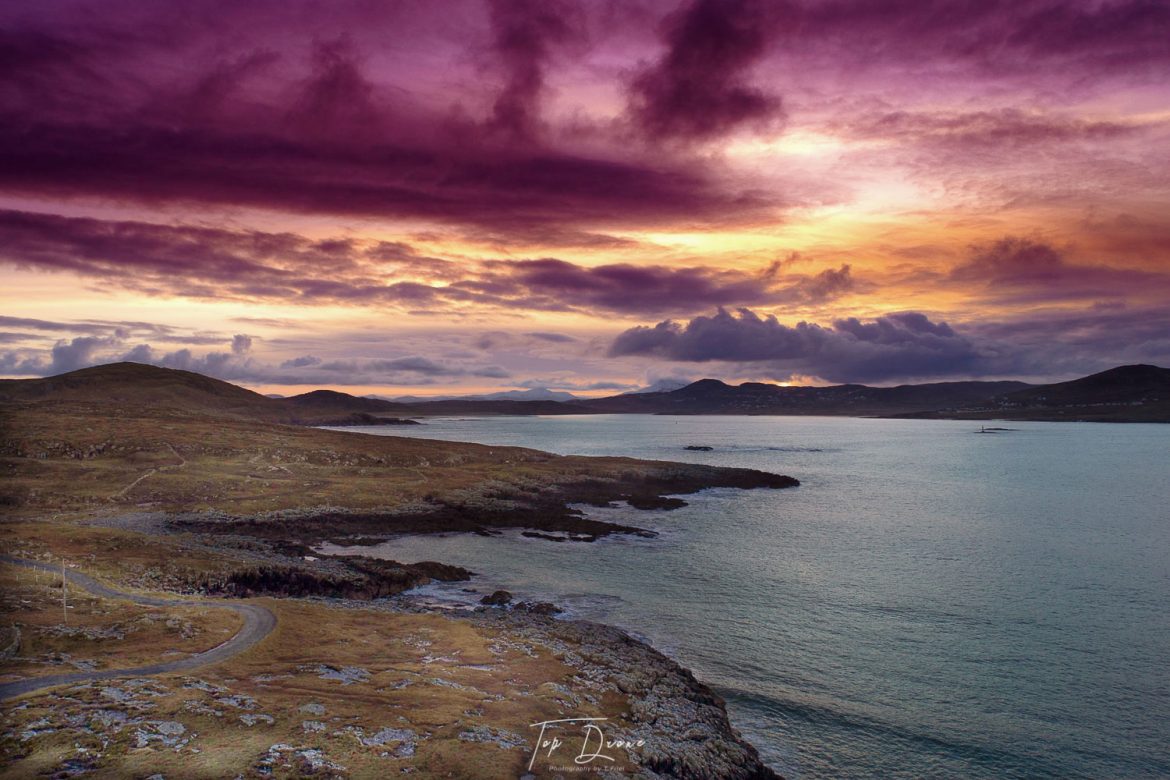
(929, 603)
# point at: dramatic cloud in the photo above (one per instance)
(909, 346)
(894, 346)
(475, 190)
(697, 89)
(208, 263)
(316, 126)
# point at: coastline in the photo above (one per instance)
(684, 726)
(157, 501)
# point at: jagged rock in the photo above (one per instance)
(498, 599)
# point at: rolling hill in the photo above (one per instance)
(1126, 393)
(135, 385)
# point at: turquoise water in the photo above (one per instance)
(929, 603)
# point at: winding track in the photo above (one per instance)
(258, 623)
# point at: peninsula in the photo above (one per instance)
(139, 501)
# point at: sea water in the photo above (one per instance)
(930, 602)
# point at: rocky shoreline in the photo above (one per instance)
(544, 508)
(197, 503)
(687, 732)
(685, 725)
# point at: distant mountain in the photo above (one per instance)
(1127, 393)
(1128, 385)
(1137, 393)
(710, 396)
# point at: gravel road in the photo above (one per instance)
(258, 623)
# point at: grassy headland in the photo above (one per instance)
(157, 482)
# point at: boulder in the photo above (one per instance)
(498, 599)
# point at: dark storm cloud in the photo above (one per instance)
(292, 107)
(296, 121)
(698, 88)
(506, 191)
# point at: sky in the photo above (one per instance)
(422, 198)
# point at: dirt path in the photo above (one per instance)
(258, 623)
(150, 472)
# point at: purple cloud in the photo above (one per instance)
(894, 346)
(1019, 270)
(525, 34)
(201, 262)
(241, 343)
(909, 346)
(555, 338)
(305, 119)
(697, 90)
